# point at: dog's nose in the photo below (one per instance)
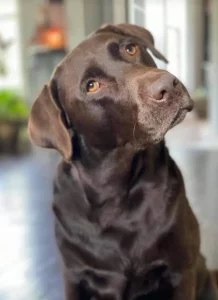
(163, 87)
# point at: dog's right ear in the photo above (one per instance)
(136, 31)
(46, 126)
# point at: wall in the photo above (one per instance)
(107, 11)
(92, 15)
(27, 16)
(75, 21)
(119, 11)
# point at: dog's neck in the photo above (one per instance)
(110, 174)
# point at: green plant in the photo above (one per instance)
(12, 106)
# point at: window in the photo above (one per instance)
(145, 13)
(137, 12)
(10, 57)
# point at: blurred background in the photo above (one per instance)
(35, 35)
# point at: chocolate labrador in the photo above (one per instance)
(124, 226)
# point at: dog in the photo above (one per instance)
(123, 224)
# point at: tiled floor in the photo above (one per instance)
(29, 265)
(195, 149)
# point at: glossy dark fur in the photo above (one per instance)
(124, 227)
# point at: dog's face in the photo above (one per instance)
(111, 93)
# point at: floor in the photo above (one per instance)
(29, 263)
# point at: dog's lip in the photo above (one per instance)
(184, 109)
(181, 114)
(189, 107)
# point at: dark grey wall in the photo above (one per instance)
(92, 15)
(107, 11)
(27, 14)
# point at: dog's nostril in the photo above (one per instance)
(161, 95)
(164, 88)
(175, 82)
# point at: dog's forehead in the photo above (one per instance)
(94, 48)
(93, 45)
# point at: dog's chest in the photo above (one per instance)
(137, 233)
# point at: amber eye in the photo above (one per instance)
(92, 86)
(131, 49)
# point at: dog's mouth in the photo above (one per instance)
(181, 114)
(179, 117)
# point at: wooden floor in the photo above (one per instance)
(29, 264)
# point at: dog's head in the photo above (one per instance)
(109, 91)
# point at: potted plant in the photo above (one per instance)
(13, 115)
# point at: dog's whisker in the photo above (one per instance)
(133, 132)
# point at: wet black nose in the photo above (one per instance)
(164, 86)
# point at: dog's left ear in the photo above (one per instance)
(136, 31)
(47, 124)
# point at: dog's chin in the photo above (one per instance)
(187, 106)
(178, 118)
(180, 115)
(142, 141)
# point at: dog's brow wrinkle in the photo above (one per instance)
(94, 72)
(97, 72)
(114, 51)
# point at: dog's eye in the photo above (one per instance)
(131, 49)
(92, 86)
